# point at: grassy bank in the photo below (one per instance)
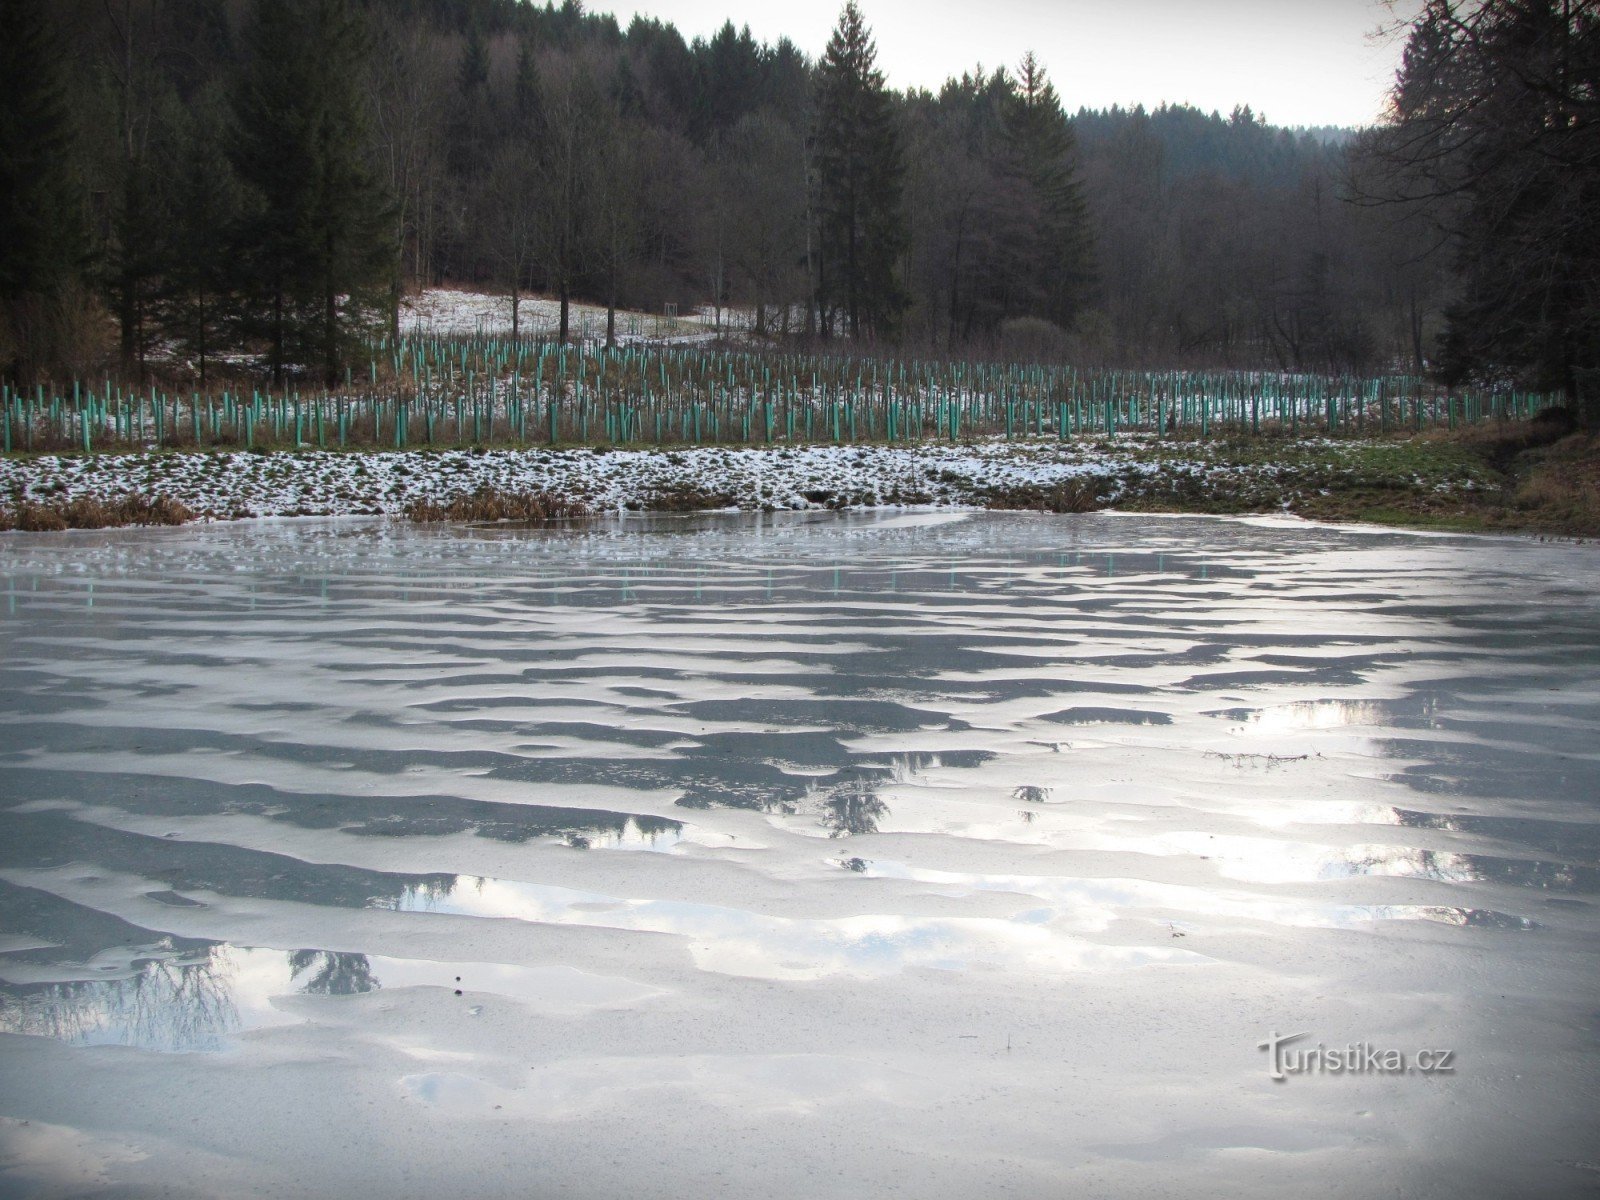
(1526, 477)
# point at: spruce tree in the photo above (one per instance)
(135, 258)
(42, 244)
(144, 101)
(859, 180)
(470, 138)
(316, 240)
(526, 94)
(204, 207)
(1042, 150)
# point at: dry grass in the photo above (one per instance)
(687, 497)
(488, 504)
(1068, 496)
(1559, 487)
(90, 513)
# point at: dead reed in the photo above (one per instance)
(93, 512)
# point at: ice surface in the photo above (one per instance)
(817, 854)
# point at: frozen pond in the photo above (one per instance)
(829, 856)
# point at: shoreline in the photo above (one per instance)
(1421, 481)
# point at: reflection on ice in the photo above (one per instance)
(1270, 860)
(736, 942)
(1412, 711)
(168, 1002)
(327, 973)
(641, 834)
(198, 1000)
(1091, 905)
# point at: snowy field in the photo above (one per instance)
(313, 483)
(820, 855)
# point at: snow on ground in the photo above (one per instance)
(449, 312)
(1129, 469)
(330, 484)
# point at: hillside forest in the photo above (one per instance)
(191, 184)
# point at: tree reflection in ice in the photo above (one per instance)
(852, 811)
(168, 1003)
(327, 973)
(182, 1001)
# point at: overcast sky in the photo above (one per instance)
(1297, 62)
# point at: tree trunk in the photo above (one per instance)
(852, 282)
(1586, 398)
(141, 341)
(611, 295)
(1419, 358)
(330, 338)
(200, 338)
(277, 339)
(126, 320)
(955, 277)
(716, 286)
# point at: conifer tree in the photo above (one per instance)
(1494, 131)
(470, 141)
(527, 100)
(1042, 149)
(316, 238)
(133, 255)
(41, 215)
(203, 209)
(859, 177)
(135, 259)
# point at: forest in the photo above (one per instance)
(192, 185)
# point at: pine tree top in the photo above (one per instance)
(851, 53)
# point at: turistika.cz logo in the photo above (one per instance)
(1357, 1058)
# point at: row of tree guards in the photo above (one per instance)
(472, 391)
